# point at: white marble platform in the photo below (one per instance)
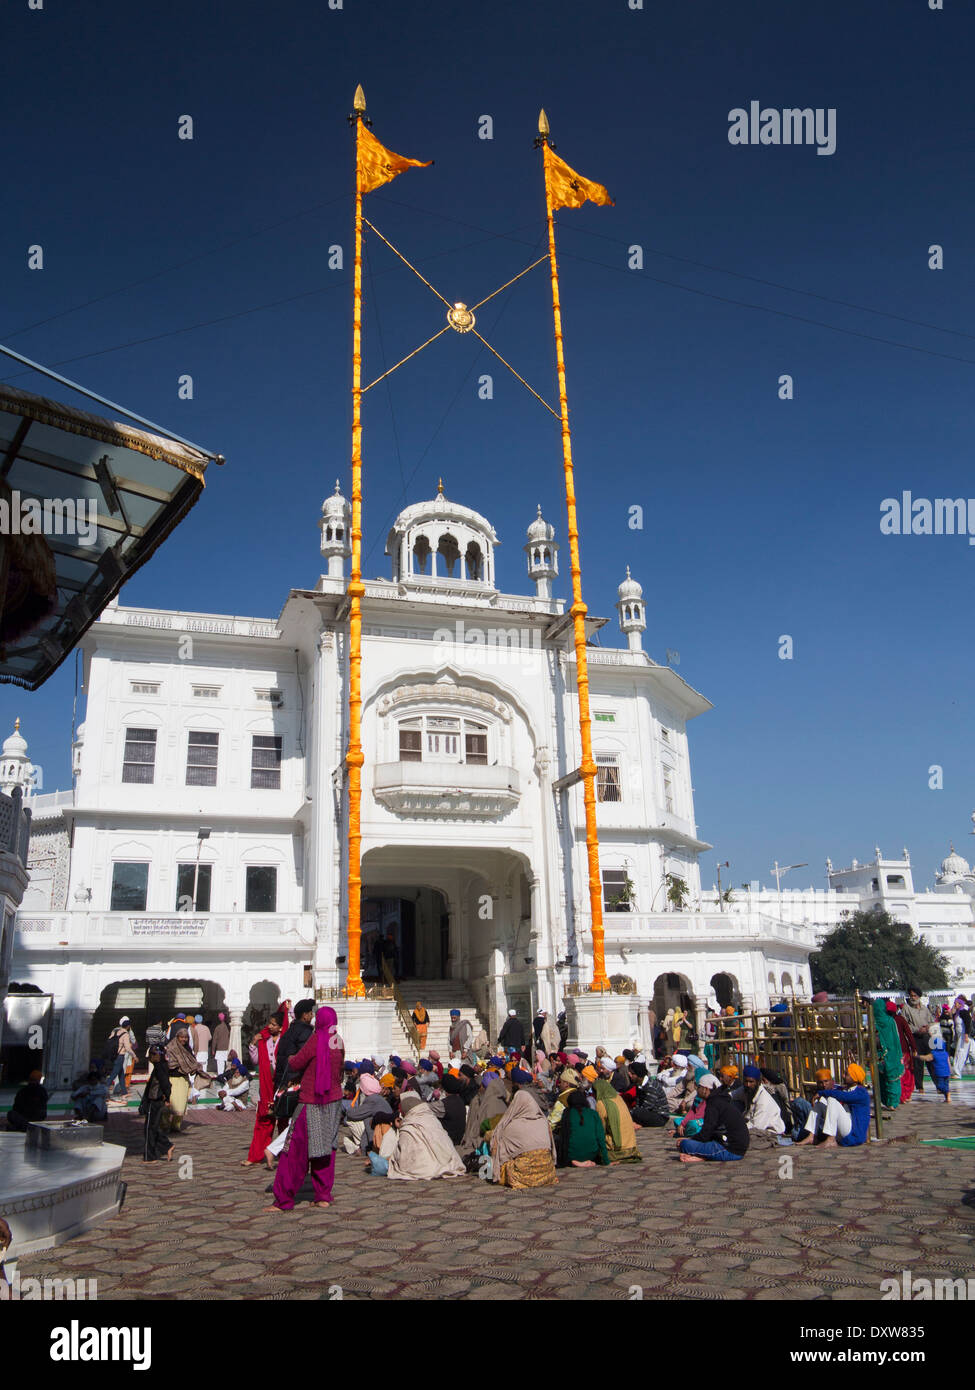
(48, 1196)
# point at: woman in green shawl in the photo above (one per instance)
(620, 1134)
(580, 1139)
(889, 1055)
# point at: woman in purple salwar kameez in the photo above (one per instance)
(314, 1130)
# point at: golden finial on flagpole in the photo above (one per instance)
(359, 100)
(544, 130)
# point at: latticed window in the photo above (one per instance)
(607, 778)
(266, 761)
(443, 738)
(201, 759)
(668, 790)
(139, 758)
(475, 743)
(411, 741)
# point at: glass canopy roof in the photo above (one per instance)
(84, 502)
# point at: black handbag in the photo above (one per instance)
(286, 1104)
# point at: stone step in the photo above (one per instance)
(439, 997)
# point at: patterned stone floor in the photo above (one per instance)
(782, 1224)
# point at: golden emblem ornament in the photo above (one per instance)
(461, 318)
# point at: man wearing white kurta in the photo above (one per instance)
(761, 1111)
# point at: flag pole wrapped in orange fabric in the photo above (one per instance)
(564, 188)
(374, 165)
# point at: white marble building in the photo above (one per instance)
(199, 861)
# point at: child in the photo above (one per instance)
(938, 1064)
(234, 1094)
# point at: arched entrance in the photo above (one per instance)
(460, 912)
(418, 922)
(151, 1001)
(672, 991)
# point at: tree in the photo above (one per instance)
(872, 951)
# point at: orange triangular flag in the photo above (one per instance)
(567, 189)
(375, 165)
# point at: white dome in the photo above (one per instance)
(336, 505)
(441, 510)
(15, 746)
(630, 589)
(442, 542)
(954, 866)
(540, 530)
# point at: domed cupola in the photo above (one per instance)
(15, 768)
(441, 545)
(334, 525)
(953, 868)
(542, 551)
(633, 621)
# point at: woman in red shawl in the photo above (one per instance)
(314, 1131)
(908, 1051)
(263, 1053)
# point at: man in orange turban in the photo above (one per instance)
(840, 1116)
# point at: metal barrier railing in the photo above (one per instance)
(405, 1017)
(800, 1042)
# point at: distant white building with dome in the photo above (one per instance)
(200, 860)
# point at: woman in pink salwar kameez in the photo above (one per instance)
(315, 1127)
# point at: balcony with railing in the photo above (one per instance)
(232, 932)
(699, 928)
(420, 789)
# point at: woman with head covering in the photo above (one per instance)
(889, 1055)
(314, 1130)
(369, 1106)
(154, 1097)
(489, 1104)
(421, 1022)
(263, 1052)
(620, 1134)
(522, 1147)
(454, 1117)
(424, 1150)
(181, 1065)
(908, 1051)
(569, 1081)
(580, 1138)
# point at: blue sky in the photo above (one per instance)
(761, 516)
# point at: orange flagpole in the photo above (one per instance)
(578, 611)
(354, 758)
